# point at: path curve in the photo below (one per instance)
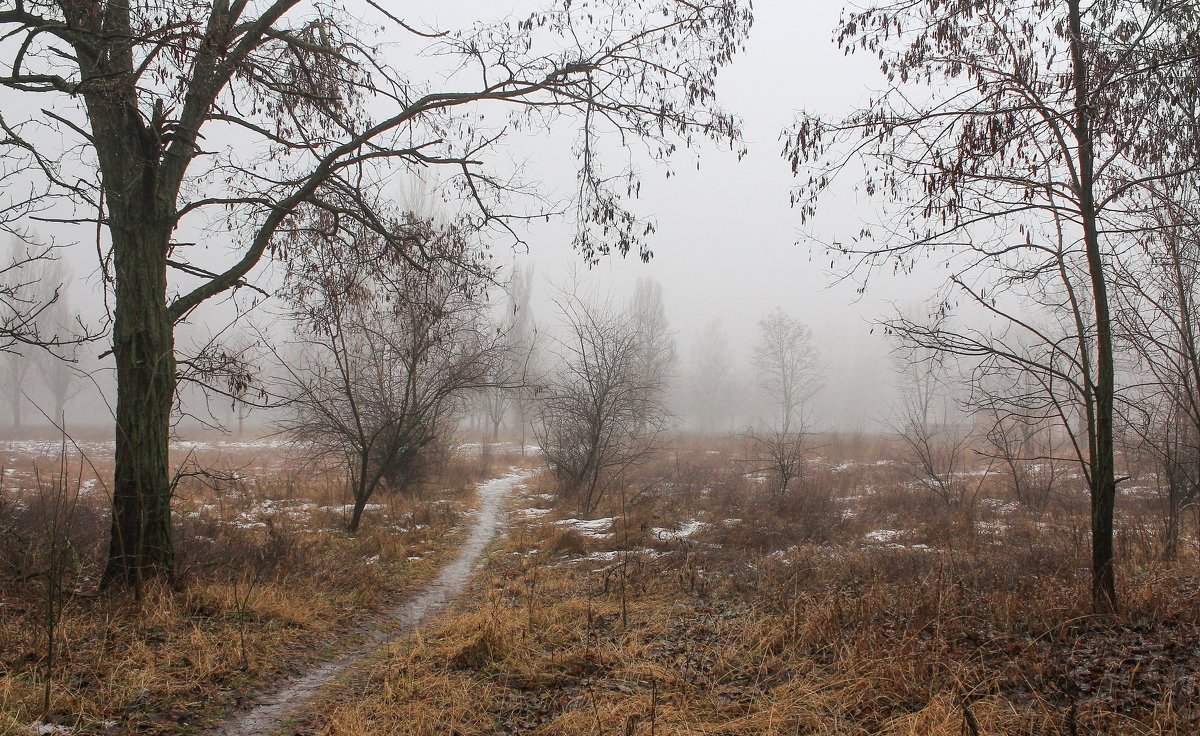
(267, 716)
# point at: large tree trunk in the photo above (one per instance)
(143, 344)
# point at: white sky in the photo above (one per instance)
(728, 245)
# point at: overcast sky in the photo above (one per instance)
(728, 245)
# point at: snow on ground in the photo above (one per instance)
(53, 448)
(37, 728)
(1138, 491)
(684, 530)
(595, 528)
(348, 508)
(1000, 506)
(991, 527)
(889, 539)
(882, 536)
(477, 449)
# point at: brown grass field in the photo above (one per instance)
(853, 606)
(268, 581)
(698, 603)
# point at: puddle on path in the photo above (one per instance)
(269, 714)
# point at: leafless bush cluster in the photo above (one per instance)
(602, 409)
(388, 348)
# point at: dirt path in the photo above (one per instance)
(269, 714)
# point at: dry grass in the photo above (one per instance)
(267, 581)
(796, 615)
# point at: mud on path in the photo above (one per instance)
(271, 712)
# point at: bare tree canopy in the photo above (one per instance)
(259, 119)
(787, 371)
(386, 353)
(604, 408)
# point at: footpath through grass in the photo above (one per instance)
(268, 583)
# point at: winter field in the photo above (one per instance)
(697, 601)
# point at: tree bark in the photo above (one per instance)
(143, 344)
(141, 199)
(1102, 460)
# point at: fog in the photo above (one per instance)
(728, 245)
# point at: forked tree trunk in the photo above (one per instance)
(143, 344)
(361, 493)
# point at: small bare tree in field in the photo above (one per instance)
(930, 423)
(525, 339)
(1158, 317)
(602, 408)
(788, 374)
(511, 372)
(57, 371)
(387, 349)
(37, 330)
(710, 383)
(1027, 453)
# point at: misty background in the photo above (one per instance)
(728, 248)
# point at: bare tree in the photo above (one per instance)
(511, 371)
(930, 421)
(710, 383)
(1009, 141)
(1029, 454)
(657, 353)
(525, 339)
(1157, 302)
(602, 409)
(14, 372)
(787, 371)
(384, 360)
(57, 371)
(34, 318)
(315, 115)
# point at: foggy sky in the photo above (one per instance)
(728, 245)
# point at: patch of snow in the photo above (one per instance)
(37, 728)
(242, 524)
(1000, 506)
(349, 508)
(596, 528)
(882, 536)
(602, 556)
(685, 530)
(1138, 491)
(783, 554)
